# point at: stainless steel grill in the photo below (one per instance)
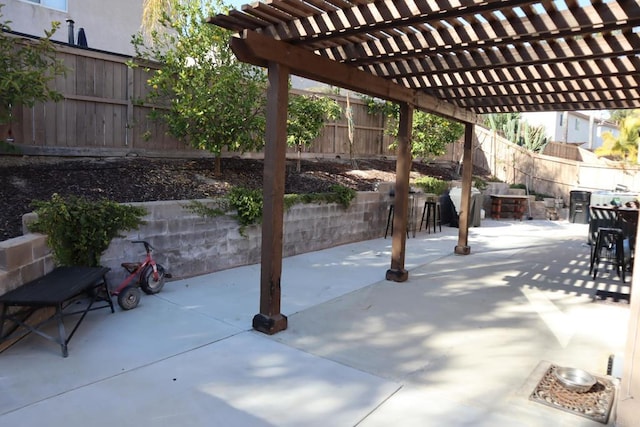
(594, 404)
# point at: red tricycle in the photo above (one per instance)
(147, 275)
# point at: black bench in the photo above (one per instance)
(57, 290)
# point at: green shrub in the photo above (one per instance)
(79, 231)
(249, 203)
(245, 202)
(429, 184)
(479, 183)
(8, 148)
(339, 194)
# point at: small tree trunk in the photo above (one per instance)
(218, 166)
(298, 163)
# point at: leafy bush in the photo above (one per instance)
(79, 231)
(429, 184)
(339, 194)
(245, 202)
(249, 203)
(479, 183)
(28, 69)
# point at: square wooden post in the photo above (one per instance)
(270, 320)
(465, 198)
(397, 272)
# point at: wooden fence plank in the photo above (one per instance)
(101, 111)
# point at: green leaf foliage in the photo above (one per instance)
(338, 194)
(248, 204)
(534, 137)
(623, 146)
(430, 133)
(512, 127)
(27, 67)
(79, 231)
(204, 95)
(307, 116)
(429, 184)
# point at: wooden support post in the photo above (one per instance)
(270, 320)
(397, 272)
(465, 198)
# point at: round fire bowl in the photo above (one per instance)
(575, 379)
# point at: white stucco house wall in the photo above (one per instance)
(573, 127)
(108, 25)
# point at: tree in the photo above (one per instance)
(625, 145)
(212, 100)
(26, 69)
(617, 116)
(307, 115)
(430, 133)
(152, 11)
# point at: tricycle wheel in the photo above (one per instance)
(129, 297)
(148, 284)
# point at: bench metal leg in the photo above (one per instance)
(62, 335)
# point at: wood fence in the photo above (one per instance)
(97, 111)
(99, 116)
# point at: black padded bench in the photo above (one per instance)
(58, 290)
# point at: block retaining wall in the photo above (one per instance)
(187, 244)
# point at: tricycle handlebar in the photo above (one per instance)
(147, 245)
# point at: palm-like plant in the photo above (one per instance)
(152, 13)
(625, 145)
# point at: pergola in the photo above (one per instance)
(455, 58)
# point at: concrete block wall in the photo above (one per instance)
(23, 259)
(187, 244)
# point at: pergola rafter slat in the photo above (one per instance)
(476, 41)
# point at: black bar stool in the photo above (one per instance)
(431, 215)
(390, 223)
(610, 240)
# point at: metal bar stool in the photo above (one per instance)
(390, 223)
(611, 241)
(431, 215)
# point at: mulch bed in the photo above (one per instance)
(25, 179)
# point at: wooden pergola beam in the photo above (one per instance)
(259, 50)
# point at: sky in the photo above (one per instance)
(237, 4)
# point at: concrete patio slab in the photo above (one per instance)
(245, 380)
(458, 344)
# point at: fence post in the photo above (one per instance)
(129, 139)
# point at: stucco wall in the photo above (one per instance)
(108, 25)
(628, 402)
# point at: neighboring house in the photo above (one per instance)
(572, 127)
(108, 25)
